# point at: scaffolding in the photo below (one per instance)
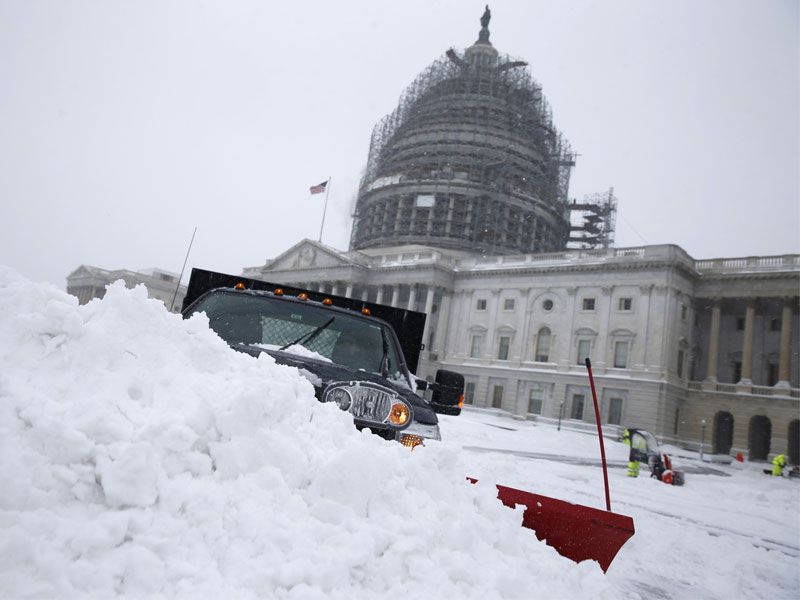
(469, 159)
(593, 221)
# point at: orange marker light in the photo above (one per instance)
(365, 311)
(327, 302)
(303, 296)
(278, 292)
(239, 286)
(399, 414)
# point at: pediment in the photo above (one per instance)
(85, 271)
(307, 254)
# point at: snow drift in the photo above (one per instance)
(139, 455)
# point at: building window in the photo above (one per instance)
(588, 304)
(740, 323)
(502, 352)
(584, 346)
(469, 392)
(480, 304)
(535, 400)
(475, 349)
(497, 396)
(684, 311)
(577, 407)
(737, 371)
(621, 355)
(547, 305)
(615, 411)
(677, 423)
(508, 304)
(775, 324)
(680, 363)
(625, 303)
(543, 345)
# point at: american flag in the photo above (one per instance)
(318, 189)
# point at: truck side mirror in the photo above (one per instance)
(448, 392)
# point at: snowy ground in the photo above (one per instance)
(730, 532)
(142, 457)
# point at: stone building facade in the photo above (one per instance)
(87, 283)
(673, 341)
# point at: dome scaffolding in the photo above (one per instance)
(470, 160)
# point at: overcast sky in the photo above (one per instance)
(125, 125)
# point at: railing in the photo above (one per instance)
(728, 388)
(565, 256)
(786, 262)
(734, 265)
(732, 388)
(761, 390)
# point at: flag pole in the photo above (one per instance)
(324, 210)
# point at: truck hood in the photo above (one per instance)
(322, 373)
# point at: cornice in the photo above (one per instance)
(586, 268)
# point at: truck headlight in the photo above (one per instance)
(370, 403)
(341, 396)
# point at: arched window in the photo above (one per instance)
(543, 345)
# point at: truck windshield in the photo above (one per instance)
(347, 340)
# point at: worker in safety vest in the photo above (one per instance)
(777, 465)
(633, 465)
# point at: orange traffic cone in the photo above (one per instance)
(739, 457)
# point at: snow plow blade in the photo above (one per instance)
(575, 531)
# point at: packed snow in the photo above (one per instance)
(140, 456)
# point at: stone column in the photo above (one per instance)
(488, 350)
(441, 325)
(379, 299)
(349, 289)
(335, 289)
(785, 359)
(605, 352)
(365, 294)
(412, 296)
(747, 349)
(568, 358)
(395, 295)
(713, 342)
(428, 318)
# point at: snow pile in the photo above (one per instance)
(140, 455)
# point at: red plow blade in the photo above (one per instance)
(575, 531)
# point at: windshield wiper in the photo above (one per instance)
(307, 337)
(385, 358)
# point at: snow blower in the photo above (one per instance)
(577, 532)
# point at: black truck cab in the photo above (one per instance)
(350, 355)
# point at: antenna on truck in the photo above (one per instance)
(178, 287)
